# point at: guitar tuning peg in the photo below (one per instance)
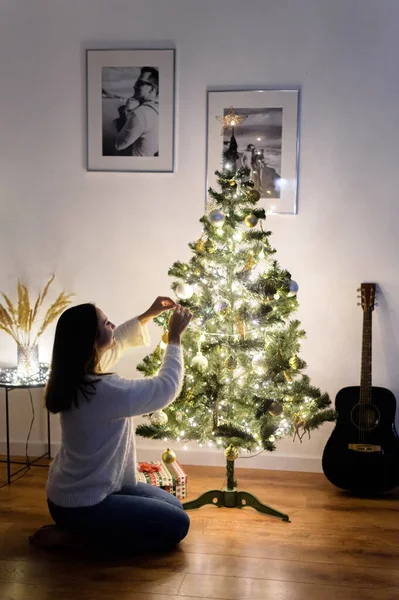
(358, 303)
(375, 303)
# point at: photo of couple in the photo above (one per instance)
(130, 111)
(259, 141)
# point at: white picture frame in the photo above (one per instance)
(131, 110)
(268, 142)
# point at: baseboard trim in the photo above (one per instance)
(205, 457)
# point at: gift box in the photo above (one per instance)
(169, 477)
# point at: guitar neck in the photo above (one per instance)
(365, 375)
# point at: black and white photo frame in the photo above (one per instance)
(130, 110)
(267, 140)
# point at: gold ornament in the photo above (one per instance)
(241, 327)
(168, 456)
(232, 182)
(275, 409)
(251, 221)
(254, 195)
(287, 376)
(250, 262)
(294, 362)
(231, 452)
(231, 363)
(300, 423)
(231, 120)
(199, 247)
(165, 337)
(210, 246)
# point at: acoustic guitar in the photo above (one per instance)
(362, 453)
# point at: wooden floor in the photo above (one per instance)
(335, 548)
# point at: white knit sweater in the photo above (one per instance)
(98, 454)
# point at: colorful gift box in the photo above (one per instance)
(169, 477)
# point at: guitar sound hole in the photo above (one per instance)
(365, 417)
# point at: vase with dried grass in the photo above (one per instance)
(23, 323)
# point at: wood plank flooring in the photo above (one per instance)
(336, 547)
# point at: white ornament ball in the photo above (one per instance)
(159, 418)
(216, 217)
(184, 291)
(200, 362)
(294, 287)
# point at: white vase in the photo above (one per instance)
(27, 360)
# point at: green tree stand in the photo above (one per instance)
(230, 497)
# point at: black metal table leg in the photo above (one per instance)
(8, 440)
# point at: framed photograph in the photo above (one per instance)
(130, 110)
(267, 140)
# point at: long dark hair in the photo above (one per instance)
(74, 357)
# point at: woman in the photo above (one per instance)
(91, 488)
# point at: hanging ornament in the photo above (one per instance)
(275, 409)
(294, 287)
(241, 327)
(253, 195)
(210, 246)
(287, 376)
(199, 247)
(250, 262)
(294, 362)
(165, 337)
(200, 362)
(168, 456)
(216, 217)
(159, 418)
(231, 363)
(231, 452)
(232, 182)
(251, 221)
(184, 291)
(222, 306)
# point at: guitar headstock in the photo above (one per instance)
(367, 296)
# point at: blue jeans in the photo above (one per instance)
(140, 517)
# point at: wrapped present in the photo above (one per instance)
(170, 478)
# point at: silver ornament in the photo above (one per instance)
(216, 217)
(222, 306)
(294, 287)
(159, 418)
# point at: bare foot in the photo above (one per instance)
(51, 536)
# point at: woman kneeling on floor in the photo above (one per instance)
(92, 489)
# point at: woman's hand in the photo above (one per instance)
(161, 304)
(178, 324)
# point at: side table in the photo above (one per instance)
(10, 381)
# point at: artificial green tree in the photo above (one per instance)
(244, 385)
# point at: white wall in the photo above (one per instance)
(111, 237)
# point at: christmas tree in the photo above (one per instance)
(244, 385)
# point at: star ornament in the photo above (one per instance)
(231, 120)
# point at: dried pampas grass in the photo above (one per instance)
(20, 321)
